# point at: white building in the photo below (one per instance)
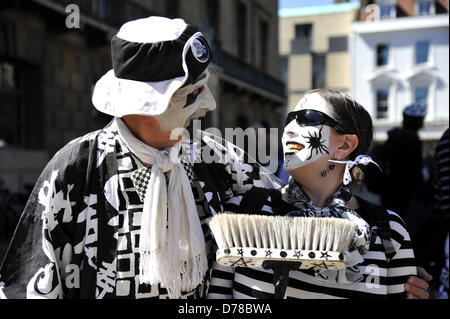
(396, 62)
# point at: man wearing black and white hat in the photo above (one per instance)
(115, 214)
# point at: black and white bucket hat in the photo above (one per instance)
(152, 58)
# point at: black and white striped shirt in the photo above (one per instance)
(381, 277)
(440, 184)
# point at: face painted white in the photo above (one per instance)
(206, 103)
(179, 114)
(304, 144)
(314, 101)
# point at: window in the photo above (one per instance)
(301, 44)
(382, 54)
(112, 12)
(212, 9)
(424, 7)
(338, 44)
(7, 76)
(264, 43)
(387, 8)
(303, 31)
(382, 103)
(422, 49)
(10, 110)
(20, 107)
(421, 95)
(242, 30)
(102, 9)
(284, 68)
(386, 12)
(319, 69)
(172, 8)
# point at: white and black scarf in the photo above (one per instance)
(172, 246)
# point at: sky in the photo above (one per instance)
(304, 3)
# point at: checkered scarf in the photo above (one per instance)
(171, 245)
(335, 207)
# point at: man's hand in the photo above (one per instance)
(417, 287)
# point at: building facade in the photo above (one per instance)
(314, 48)
(389, 9)
(48, 70)
(396, 61)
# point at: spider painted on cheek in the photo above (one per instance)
(316, 143)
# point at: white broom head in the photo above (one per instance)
(248, 240)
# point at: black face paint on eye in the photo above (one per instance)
(191, 80)
(190, 99)
(315, 143)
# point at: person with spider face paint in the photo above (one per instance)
(324, 142)
(306, 135)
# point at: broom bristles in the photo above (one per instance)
(282, 232)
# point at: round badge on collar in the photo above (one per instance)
(200, 50)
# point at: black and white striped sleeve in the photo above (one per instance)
(403, 264)
(441, 178)
(221, 285)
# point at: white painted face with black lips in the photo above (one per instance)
(305, 144)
